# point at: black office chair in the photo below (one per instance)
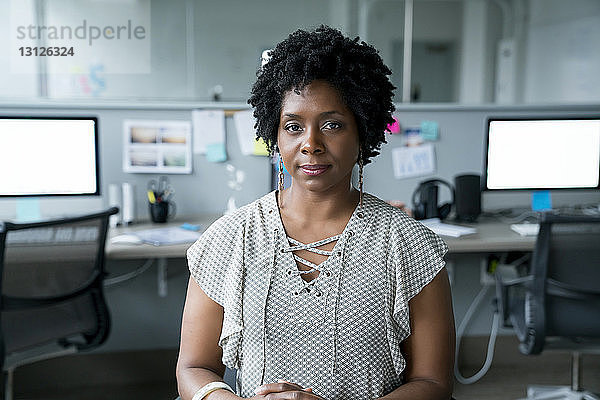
(556, 305)
(51, 284)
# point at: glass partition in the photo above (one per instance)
(461, 51)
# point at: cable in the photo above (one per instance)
(129, 275)
(520, 218)
(491, 343)
(511, 216)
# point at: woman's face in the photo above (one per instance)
(317, 137)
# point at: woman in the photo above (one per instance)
(319, 291)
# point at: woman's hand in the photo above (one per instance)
(285, 390)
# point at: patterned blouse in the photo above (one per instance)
(339, 333)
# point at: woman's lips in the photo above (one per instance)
(314, 169)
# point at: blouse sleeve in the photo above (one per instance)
(216, 263)
(418, 256)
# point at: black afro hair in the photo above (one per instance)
(354, 68)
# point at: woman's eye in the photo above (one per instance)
(332, 125)
(293, 128)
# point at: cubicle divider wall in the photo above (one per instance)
(205, 190)
(136, 305)
(459, 149)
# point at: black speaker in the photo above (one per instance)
(425, 200)
(467, 197)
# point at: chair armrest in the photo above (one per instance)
(561, 289)
(518, 281)
(506, 278)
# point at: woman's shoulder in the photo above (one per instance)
(397, 217)
(403, 227)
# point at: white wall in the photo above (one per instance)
(563, 52)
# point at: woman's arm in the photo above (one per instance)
(199, 360)
(429, 350)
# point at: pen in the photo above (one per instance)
(151, 197)
(166, 195)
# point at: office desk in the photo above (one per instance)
(492, 236)
(151, 253)
(144, 251)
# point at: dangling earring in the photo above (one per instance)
(360, 178)
(280, 182)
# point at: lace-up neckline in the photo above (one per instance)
(312, 247)
(292, 245)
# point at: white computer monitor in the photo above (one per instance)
(542, 153)
(49, 156)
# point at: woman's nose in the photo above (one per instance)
(313, 142)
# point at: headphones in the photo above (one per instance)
(425, 200)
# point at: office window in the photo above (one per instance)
(230, 37)
(437, 27)
(19, 76)
(122, 68)
(463, 51)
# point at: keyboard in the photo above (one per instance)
(51, 235)
(440, 228)
(526, 229)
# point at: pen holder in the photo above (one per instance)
(161, 211)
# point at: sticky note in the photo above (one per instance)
(260, 148)
(215, 152)
(394, 127)
(541, 200)
(429, 130)
(190, 227)
(28, 210)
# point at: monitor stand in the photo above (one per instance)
(28, 209)
(541, 200)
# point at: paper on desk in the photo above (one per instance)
(413, 161)
(441, 228)
(165, 236)
(209, 129)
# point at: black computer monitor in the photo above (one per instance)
(49, 156)
(542, 153)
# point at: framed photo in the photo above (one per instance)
(157, 146)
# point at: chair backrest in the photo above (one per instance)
(563, 299)
(51, 277)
